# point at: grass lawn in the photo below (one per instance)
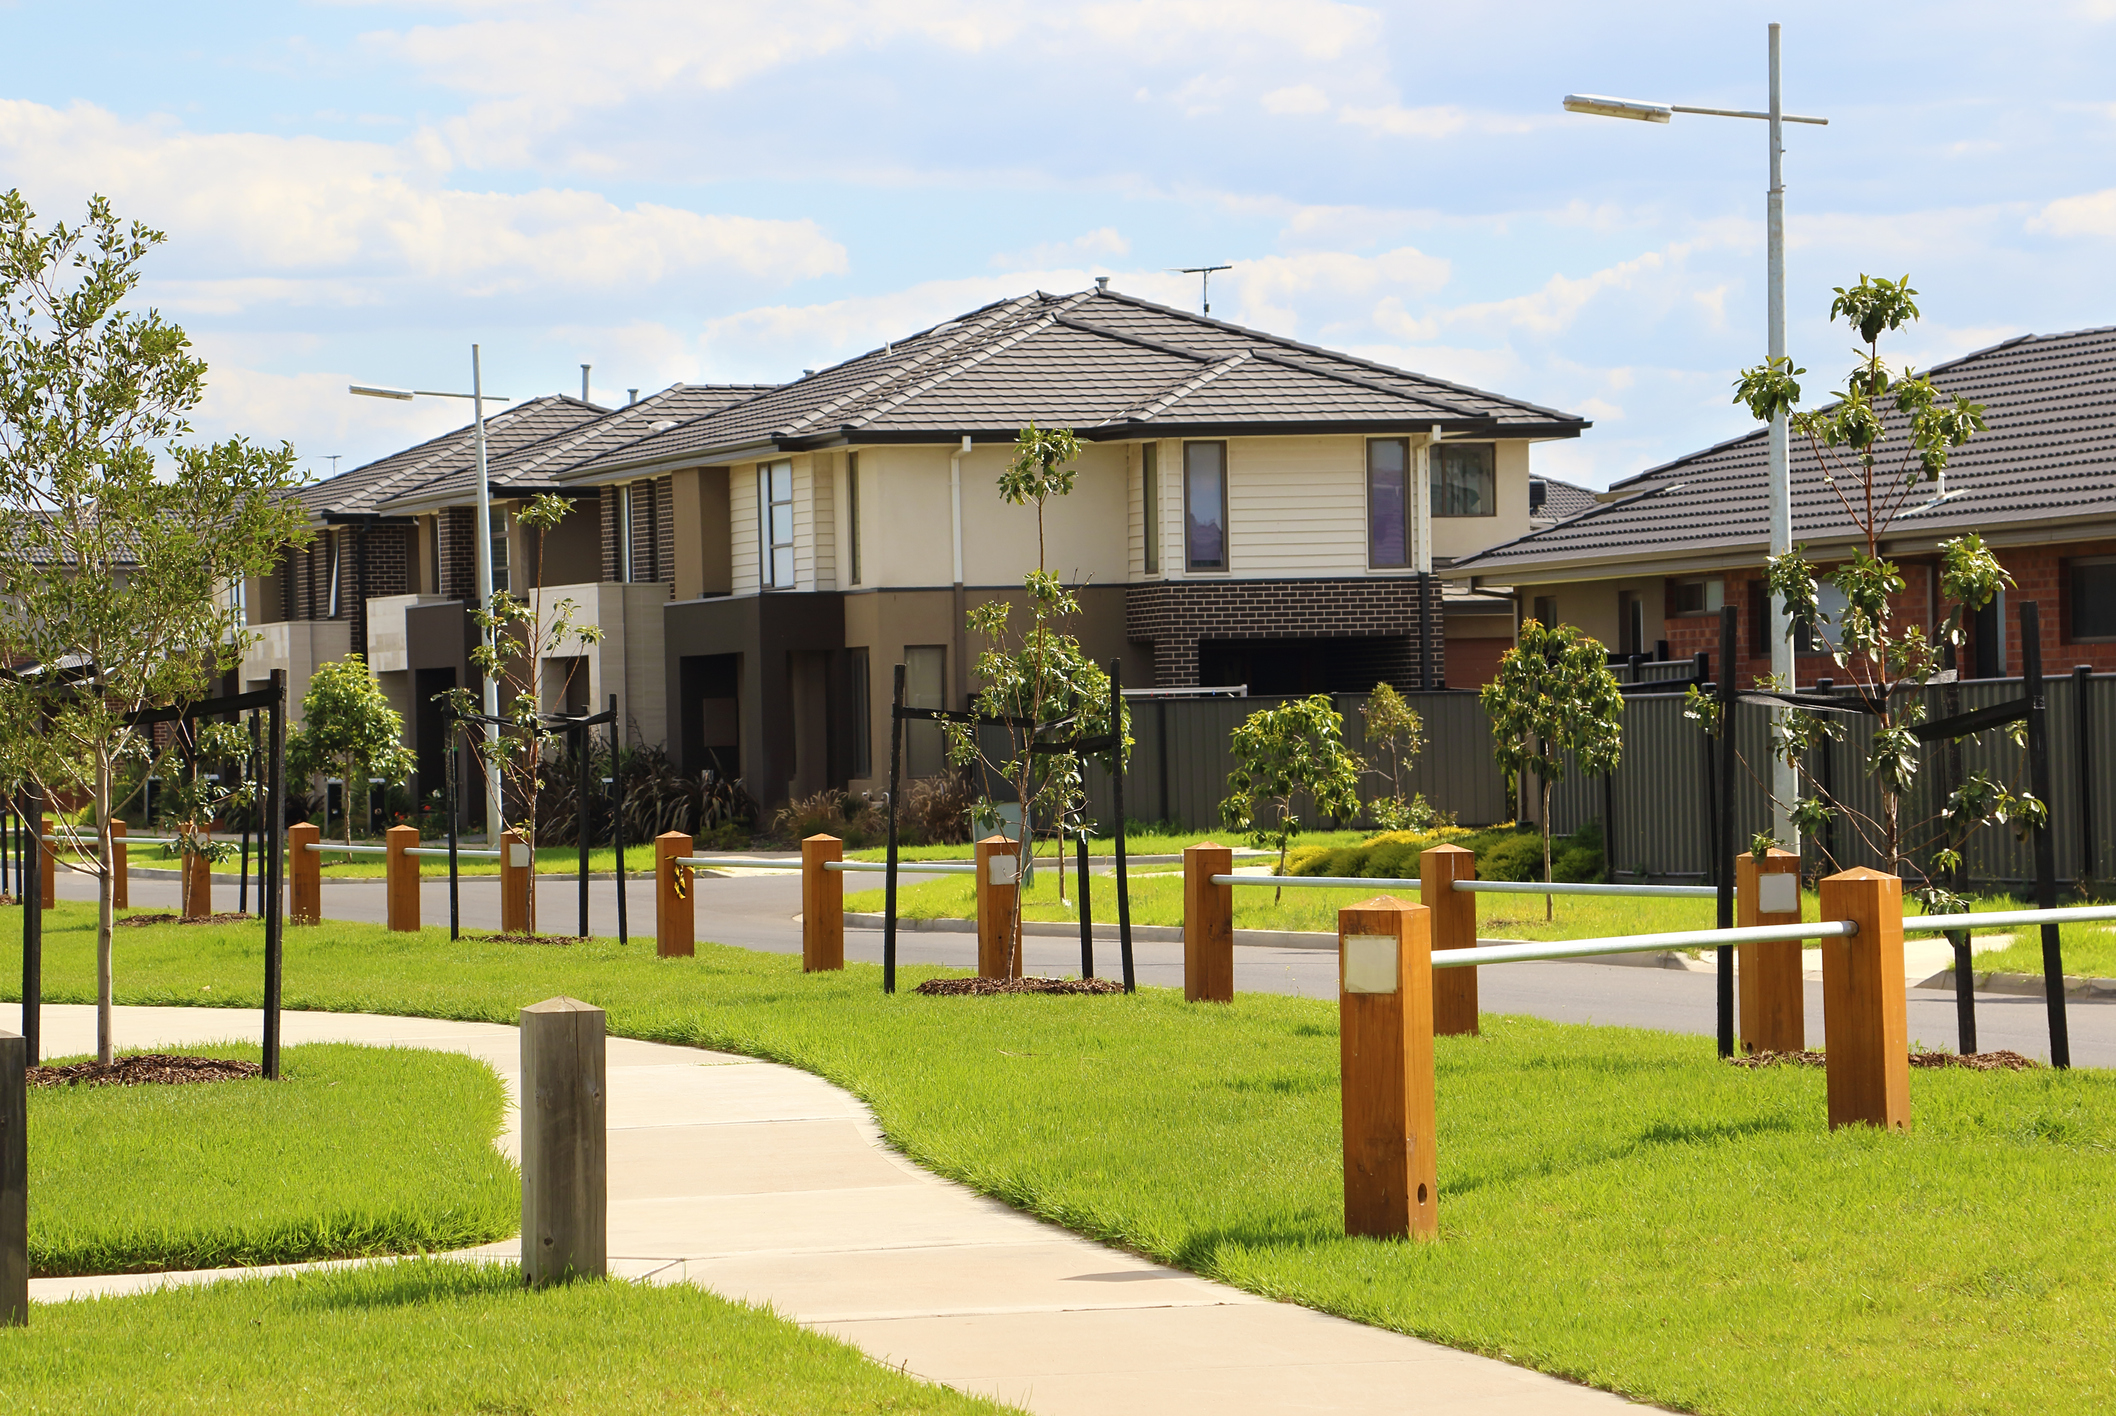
(356, 1150)
(1616, 1205)
(430, 1336)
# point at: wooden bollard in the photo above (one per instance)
(517, 864)
(675, 913)
(822, 905)
(14, 1180)
(565, 1148)
(1865, 1033)
(1208, 924)
(403, 878)
(1454, 926)
(304, 874)
(120, 889)
(198, 885)
(1385, 1048)
(48, 859)
(998, 883)
(1773, 996)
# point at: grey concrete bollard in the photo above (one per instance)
(565, 1153)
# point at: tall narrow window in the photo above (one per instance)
(337, 538)
(1205, 505)
(1546, 611)
(624, 533)
(775, 525)
(2093, 599)
(925, 686)
(852, 532)
(433, 554)
(856, 670)
(653, 549)
(1388, 503)
(499, 552)
(1464, 481)
(1150, 503)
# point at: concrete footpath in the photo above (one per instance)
(765, 1184)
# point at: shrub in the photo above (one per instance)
(829, 813)
(936, 812)
(1503, 853)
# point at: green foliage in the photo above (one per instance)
(1283, 753)
(1393, 727)
(348, 728)
(1502, 853)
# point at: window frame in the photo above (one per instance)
(1535, 609)
(1403, 505)
(496, 538)
(767, 548)
(1438, 454)
(1150, 507)
(625, 551)
(852, 523)
(331, 610)
(858, 668)
(2072, 567)
(1226, 562)
(1677, 583)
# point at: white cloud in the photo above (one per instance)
(1104, 241)
(1297, 99)
(2093, 214)
(1394, 120)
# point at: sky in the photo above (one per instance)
(701, 191)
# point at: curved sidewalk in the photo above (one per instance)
(763, 1183)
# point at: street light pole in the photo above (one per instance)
(1785, 783)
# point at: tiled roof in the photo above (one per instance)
(1560, 500)
(1105, 364)
(2049, 457)
(363, 490)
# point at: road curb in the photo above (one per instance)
(2027, 984)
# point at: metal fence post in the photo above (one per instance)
(1773, 996)
(822, 905)
(2031, 644)
(36, 865)
(565, 1143)
(1208, 924)
(1453, 924)
(896, 759)
(1725, 955)
(1385, 1059)
(675, 915)
(272, 869)
(48, 878)
(15, 1061)
(2083, 738)
(1864, 1025)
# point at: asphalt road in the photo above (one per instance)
(756, 912)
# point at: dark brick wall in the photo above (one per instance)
(458, 527)
(610, 504)
(665, 531)
(653, 531)
(1175, 615)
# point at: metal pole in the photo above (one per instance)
(1957, 940)
(1116, 727)
(242, 893)
(1087, 918)
(896, 757)
(2031, 645)
(1725, 953)
(275, 857)
(450, 776)
(1785, 782)
(617, 821)
(580, 821)
(491, 685)
(32, 882)
(2083, 735)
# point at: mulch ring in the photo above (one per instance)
(559, 939)
(141, 921)
(2001, 1061)
(982, 987)
(145, 1069)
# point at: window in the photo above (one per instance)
(856, 670)
(1988, 638)
(1697, 597)
(335, 538)
(1759, 619)
(1150, 503)
(624, 532)
(775, 525)
(852, 518)
(499, 552)
(1546, 610)
(1388, 503)
(1205, 505)
(1630, 623)
(925, 686)
(2093, 590)
(433, 555)
(1820, 638)
(1464, 483)
(638, 547)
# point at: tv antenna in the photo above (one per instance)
(1204, 274)
(334, 456)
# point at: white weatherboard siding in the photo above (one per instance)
(1296, 507)
(742, 527)
(813, 497)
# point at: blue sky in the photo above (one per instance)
(670, 189)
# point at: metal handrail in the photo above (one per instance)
(1640, 943)
(321, 846)
(462, 852)
(1537, 887)
(2073, 914)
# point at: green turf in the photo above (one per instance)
(1616, 1205)
(356, 1150)
(435, 1336)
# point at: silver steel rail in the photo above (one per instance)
(462, 852)
(89, 839)
(1316, 882)
(2076, 914)
(1639, 943)
(1489, 887)
(326, 847)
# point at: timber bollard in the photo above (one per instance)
(1866, 1035)
(403, 876)
(48, 858)
(675, 915)
(822, 905)
(120, 893)
(197, 868)
(1773, 999)
(1208, 924)
(304, 874)
(1454, 926)
(14, 1180)
(998, 882)
(565, 1143)
(1385, 1050)
(517, 864)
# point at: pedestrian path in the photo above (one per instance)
(766, 1184)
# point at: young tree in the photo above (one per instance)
(1394, 726)
(1280, 753)
(347, 726)
(518, 636)
(1045, 685)
(1886, 660)
(119, 541)
(1554, 696)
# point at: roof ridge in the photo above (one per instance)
(993, 346)
(906, 369)
(1183, 389)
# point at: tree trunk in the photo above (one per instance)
(106, 907)
(1549, 912)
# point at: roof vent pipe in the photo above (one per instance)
(1102, 284)
(584, 383)
(631, 397)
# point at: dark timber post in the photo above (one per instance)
(1724, 860)
(2083, 735)
(1116, 727)
(617, 822)
(15, 1061)
(2031, 646)
(896, 757)
(275, 856)
(580, 820)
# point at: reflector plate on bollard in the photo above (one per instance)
(1370, 963)
(1778, 894)
(517, 855)
(1003, 869)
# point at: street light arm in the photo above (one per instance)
(408, 394)
(1744, 113)
(1602, 106)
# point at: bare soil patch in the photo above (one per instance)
(556, 939)
(2001, 1061)
(145, 1069)
(984, 987)
(141, 921)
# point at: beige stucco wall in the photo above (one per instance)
(1591, 605)
(1458, 536)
